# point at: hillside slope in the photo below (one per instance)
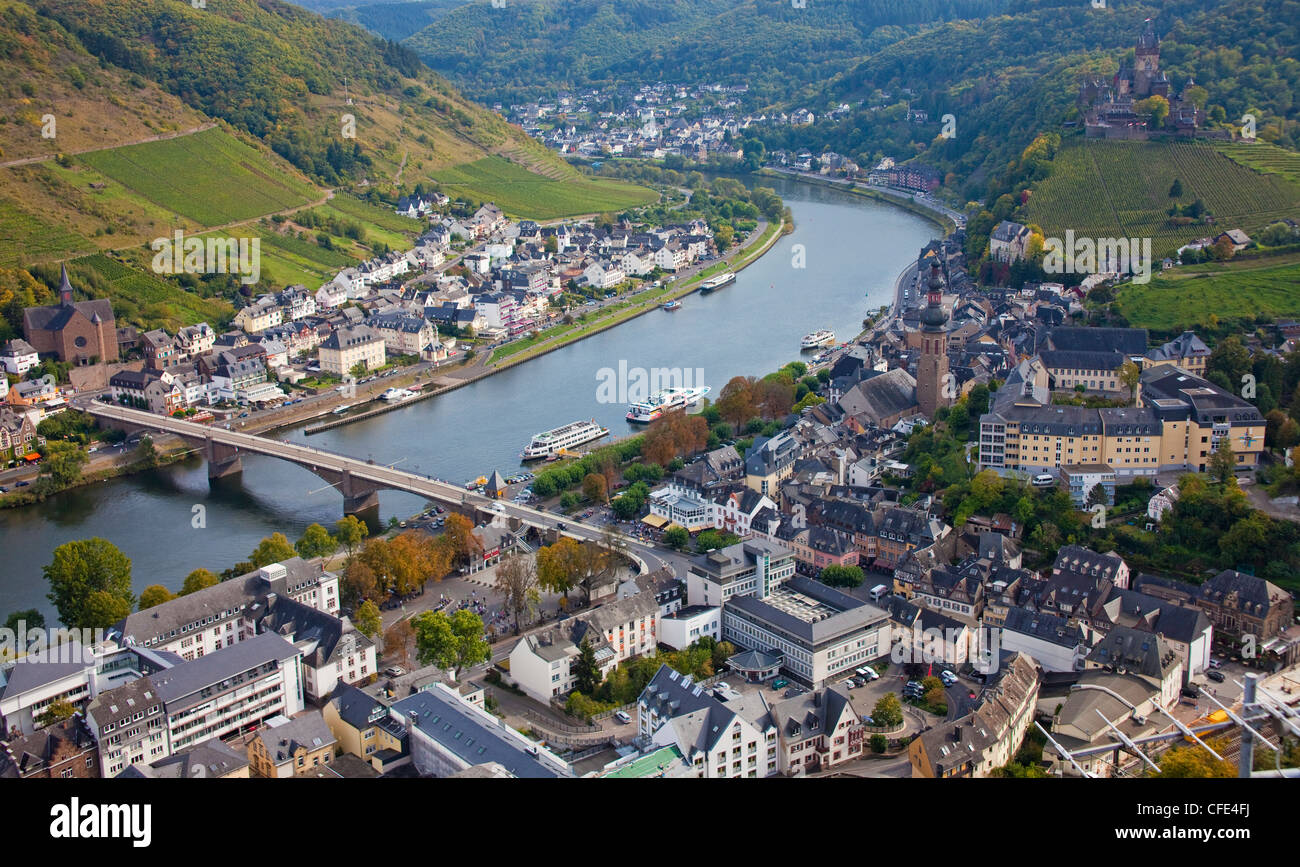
(530, 48)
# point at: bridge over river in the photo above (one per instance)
(359, 481)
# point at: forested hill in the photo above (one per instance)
(1007, 78)
(529, 48)
(284, 75)
(397, 20)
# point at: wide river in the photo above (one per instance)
(851, 251)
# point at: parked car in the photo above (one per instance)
(1215, 675)
(780, 683)
(622, 717)
(394, 671)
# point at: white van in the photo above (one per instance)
(1043, 480)
(878, 592)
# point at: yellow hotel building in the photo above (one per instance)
(1178, 423)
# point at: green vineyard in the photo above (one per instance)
(210, 177)
(1110, 189)
(520, 193)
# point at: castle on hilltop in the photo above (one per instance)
(1110, 108)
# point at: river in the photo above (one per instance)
(850, 250)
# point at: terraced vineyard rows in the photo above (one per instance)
(1264, 157)
(1121, 189)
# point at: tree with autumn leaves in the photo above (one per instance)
(672, 435)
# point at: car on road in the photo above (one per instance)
(947, 677)
(23, 484)
(394, 671)
(622, 717)
(1215, 675)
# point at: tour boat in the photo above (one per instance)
(672, 305)
(723, 279)
(818, 339)
(664, 401)
(395, 394)
(548, 443)
(339, 410)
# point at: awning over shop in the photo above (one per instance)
(656, 521)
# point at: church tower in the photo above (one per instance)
(932, 368)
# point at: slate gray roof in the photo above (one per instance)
(24, 675)
(188, 678)
(811, 713)
(889, 394)
(308, 731)
(1044, 626)
(1141, 652)
(851, 613)
(457, 729)
(212, 758)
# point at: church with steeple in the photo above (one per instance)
(934, 387)
(82, 332)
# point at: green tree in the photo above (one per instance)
(1223, 463)
(888, 711)
(28, 618)
(842, 576)
(1176, 189)
(368, 619)
(1097, 496)
(146, 454)
(61, 466)
(349, 532)
(198, 580)
(586, 672)
(676, 537)
(1130, 375)
(450, 642)
(316, 542)
(56, 712)
(879, 743)
(275, 548)
(82, 571)
(154, 594)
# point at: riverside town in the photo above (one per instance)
(839, 390)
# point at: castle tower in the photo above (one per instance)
(1146, 60)
(932, 367)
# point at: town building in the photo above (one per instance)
(717, 739)
(291, 747)
(350, 346)
(988, 737)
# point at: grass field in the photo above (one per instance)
(1111, 189)
(210, 177)
(24, 237)
(525, 195)
(1187, 297)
